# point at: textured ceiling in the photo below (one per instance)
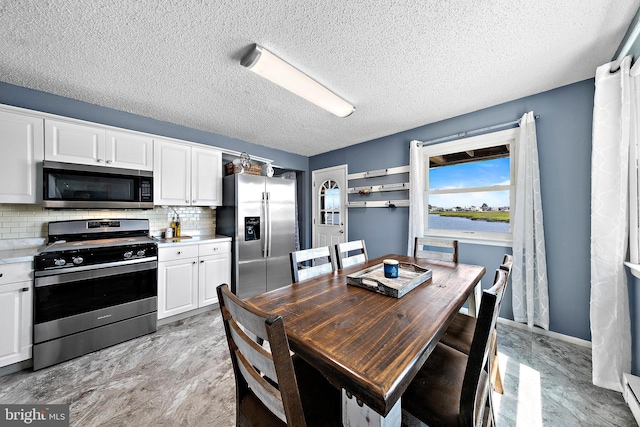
(403, 64)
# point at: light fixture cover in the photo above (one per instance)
(266, 64)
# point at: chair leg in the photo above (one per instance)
(496, 379)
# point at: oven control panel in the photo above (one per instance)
(139, 253)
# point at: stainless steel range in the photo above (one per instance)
(95, 286)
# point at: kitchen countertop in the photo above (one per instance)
(25, 251)
(185, 239)
(10, 256)
(20, 250)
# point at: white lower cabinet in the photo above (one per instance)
(177, 287)
(16, 299)
(215, 269)
(189, 274)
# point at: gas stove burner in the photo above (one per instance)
(80, 244)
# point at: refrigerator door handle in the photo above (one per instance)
(265, 233)
(269, 224)
(266, 236)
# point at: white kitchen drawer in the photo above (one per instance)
(16, 272)
(171, 253)
(214, 248)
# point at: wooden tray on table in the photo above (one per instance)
(372, 278)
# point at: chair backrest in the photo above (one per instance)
(358, 252)
(475, 385)
(267, 374)
(507, 263)
(300, 272)
(435, 251)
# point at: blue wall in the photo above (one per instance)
(45, 102)
(564, 145)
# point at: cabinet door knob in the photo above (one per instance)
(109, 161)
(24, 290)
(1, 274)
(100, 160)
(179, 252)
(202, 262)
(194, 262)
(186, 201)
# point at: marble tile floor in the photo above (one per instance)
(181, 376)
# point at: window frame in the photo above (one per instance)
(509, 136)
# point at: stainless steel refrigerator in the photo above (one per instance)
(259, 213)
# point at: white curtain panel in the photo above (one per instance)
(416, 195)
(529, 272)
(610, 323)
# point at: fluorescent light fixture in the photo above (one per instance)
(266, 64)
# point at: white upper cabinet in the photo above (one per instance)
(129, 151)
(91, 145)
(172, 173)
(21, 142)
(186, 175)
(73, 143)
(206, 177)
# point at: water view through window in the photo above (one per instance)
(470, 191)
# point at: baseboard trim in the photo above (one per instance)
(16, 367)
(540, 331)
(182, 316)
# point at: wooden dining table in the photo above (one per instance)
(367, 344)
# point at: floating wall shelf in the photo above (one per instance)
(380, 204)
(364, 190)
(377, 188)
(379, 172)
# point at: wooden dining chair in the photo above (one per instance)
(459, 334)
(438, 249)
(351, 253)
(273, 388)
(301, 272)
(452, 388)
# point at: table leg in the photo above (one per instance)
(357, 414)
(474, 298)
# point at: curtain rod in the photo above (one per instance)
(471, 132)
(630, 39)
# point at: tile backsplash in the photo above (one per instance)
(30, 221)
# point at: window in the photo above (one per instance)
(330, 203)
(470, 186)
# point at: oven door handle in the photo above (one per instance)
(65, 270)
(66, 276)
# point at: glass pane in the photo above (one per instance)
(473, 173)
(472, 211)
(329, 218)
(329, 203)
(329, 200)
(73, 186)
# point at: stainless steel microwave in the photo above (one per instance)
(73, 186)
